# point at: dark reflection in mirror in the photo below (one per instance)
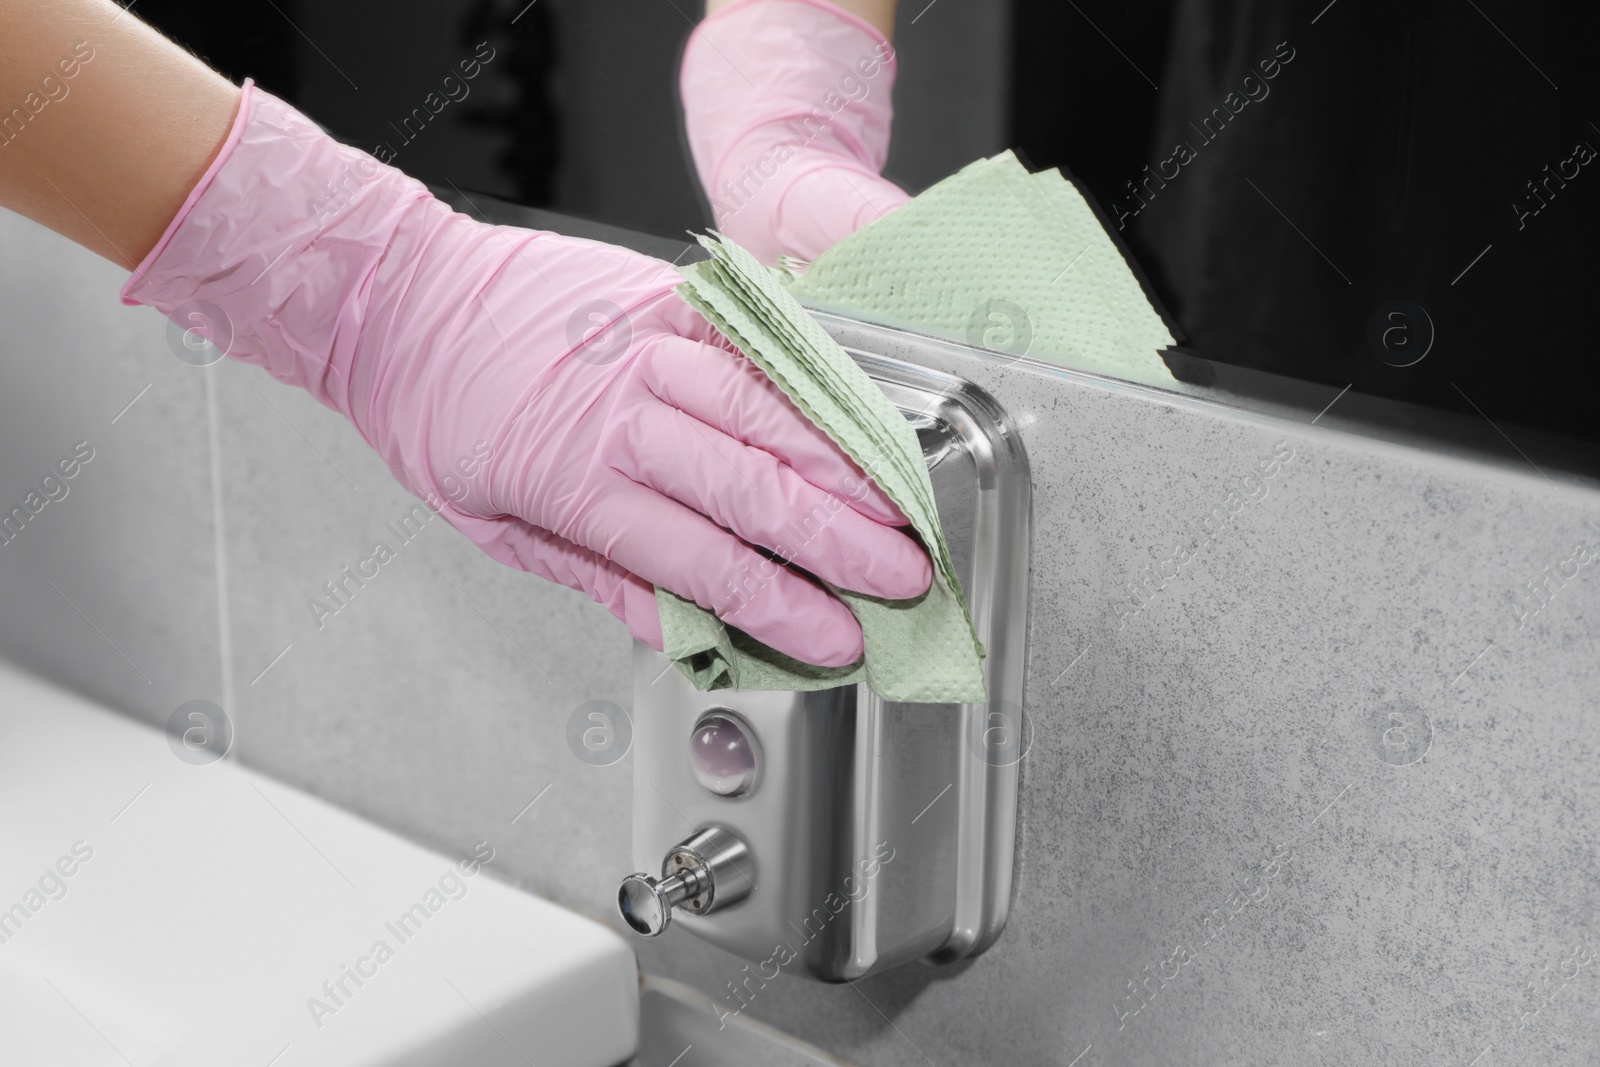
(1391, 196)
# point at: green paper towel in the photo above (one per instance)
(916, 651)
(1002, 259)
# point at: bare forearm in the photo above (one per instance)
(880, 13)
(105, 125)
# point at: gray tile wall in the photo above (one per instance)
(1338, 681)
(112, 586)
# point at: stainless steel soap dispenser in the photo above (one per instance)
(832, 833)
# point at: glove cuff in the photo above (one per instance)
(240, 117)
(273, 255)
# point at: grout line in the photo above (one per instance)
(219, 550)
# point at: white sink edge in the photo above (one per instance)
(217, 910)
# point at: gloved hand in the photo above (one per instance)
(786, 103)
(647, 453)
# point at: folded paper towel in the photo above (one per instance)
(1001, 259)
(918, 651)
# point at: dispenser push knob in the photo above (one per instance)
(702, 874)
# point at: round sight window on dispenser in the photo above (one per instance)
(724, 753)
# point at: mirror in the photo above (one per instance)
(1392, 199)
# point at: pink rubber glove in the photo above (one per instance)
(787, 107)
(468, 356)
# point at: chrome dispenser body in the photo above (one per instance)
(874, 832)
